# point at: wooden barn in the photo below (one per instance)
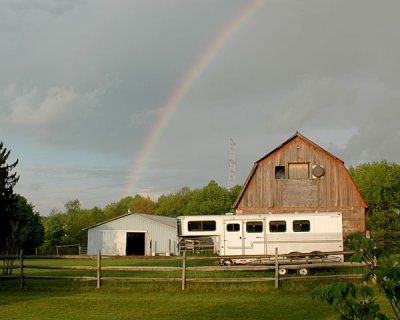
(135, 234)
(300, 176)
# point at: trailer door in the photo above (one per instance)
(254, 237)
(233, 238)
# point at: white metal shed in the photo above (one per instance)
(134, 234)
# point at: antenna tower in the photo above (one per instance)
(232, 164)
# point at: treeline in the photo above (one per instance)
(21, 227)
(378, 182)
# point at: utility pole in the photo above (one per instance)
(232, 164)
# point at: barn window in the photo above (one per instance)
(254, 226)
(299, 171)
(277, 226)
(301, 225)
(202, 225)
(233, 227)
(280, 172)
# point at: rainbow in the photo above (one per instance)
(182, 89)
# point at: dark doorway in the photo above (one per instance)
(135, 243)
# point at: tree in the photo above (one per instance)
(211, 199)
(97, 215)
(234, 193)
(25, 227)
(54, 232)
(25, 231)
(73, 206)
(370, 178)
(20, 226)
(116, 209)
(142, 205)
(358, 302)
(74, 220)
(66, 228)
(392, 191)
(174, 204)
(377, 183)
(8, 180)
(28, 230)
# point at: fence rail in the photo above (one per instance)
(276, 263)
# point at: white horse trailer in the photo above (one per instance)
(260, 234)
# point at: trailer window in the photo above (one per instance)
(277, 226)
(254, 226)
(233, 227)
(301, 225)
(202, 225)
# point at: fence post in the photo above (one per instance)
(184, 270)
(169, 248)
(154, 249)
(276, 269)
(99, 269)
(21, 264)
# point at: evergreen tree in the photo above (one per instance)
(8, 179)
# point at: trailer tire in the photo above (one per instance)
(226, 262)
(282, 272)
(303, 272)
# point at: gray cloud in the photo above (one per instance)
(84, 82)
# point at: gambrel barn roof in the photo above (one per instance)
(313, 146)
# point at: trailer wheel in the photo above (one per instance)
(303, 271)
(282, 272)
(226, 262)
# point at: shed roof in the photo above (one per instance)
(171, 222)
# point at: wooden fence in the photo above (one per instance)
(276, 263)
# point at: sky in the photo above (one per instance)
(101, 99)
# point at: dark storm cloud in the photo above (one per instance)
(83, 82)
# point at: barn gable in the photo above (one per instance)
(300, 176)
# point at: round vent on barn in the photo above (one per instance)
(318, 171)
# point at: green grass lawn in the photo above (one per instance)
(75, 301)
(68, 299)
(159, 302)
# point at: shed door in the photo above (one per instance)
(233, 238)
(135, 243)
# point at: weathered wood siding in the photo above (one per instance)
(335, 191)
